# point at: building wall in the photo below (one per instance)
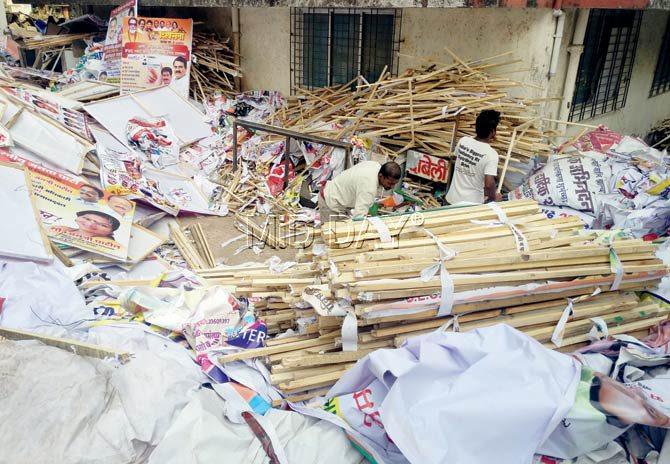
(219, 20)
(265, 41)
(480, 33)
(472, 34)
(641, 112)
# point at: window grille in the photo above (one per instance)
(606, 64)
(661, 81)
(333, 46)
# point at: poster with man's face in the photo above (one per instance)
(112, 49)
(156, 52)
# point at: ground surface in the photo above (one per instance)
(218, 230)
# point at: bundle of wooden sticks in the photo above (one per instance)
(507, 265)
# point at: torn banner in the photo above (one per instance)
(441, 396)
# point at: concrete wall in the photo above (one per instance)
(265, 46)
(219, 20)
(481, 33)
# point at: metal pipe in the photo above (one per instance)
(235, 19)
(574, 54)
(558, 37)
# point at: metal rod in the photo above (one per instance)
(287, 160)
(235, 145)
(290, 133)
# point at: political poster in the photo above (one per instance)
(53, 107)
(79, 214)
(112, 50)
(121, 172)
(605, 408)
(156, 52)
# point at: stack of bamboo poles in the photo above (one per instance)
(258, 280)
(279, 233)
(240, 193)
(427, 109)
(215, 67)
(493, 282)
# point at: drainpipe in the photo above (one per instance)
(574, 53)
(558, 37)
(236, 42)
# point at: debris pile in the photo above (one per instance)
(332, 343)
(659, 136)
(609, 181)
(215, 68)
(416, 109)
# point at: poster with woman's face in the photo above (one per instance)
(82, 215)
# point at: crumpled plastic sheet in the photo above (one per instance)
(489, 395)
(56, 406)
(643, 367)
(202, 433)
(633, 181)
(40, 297)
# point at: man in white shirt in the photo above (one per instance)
(476, 166)
(355, 189)
(180, 79)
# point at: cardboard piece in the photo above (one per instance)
(44, 137)
(188, 122)
(80, 215)
(22, 236)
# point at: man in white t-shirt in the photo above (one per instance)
(476, 166)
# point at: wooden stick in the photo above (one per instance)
(77, 347)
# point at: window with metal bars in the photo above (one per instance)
(333, 46)
(606, 64)
(661, 81)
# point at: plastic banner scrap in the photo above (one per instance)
(572, 181)
(600, 140)
(433, 398)
(619, 181)
(623, 386)
(154, 138)
(276, 177)
(211, 319)
(220, 110)
(324, 306)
